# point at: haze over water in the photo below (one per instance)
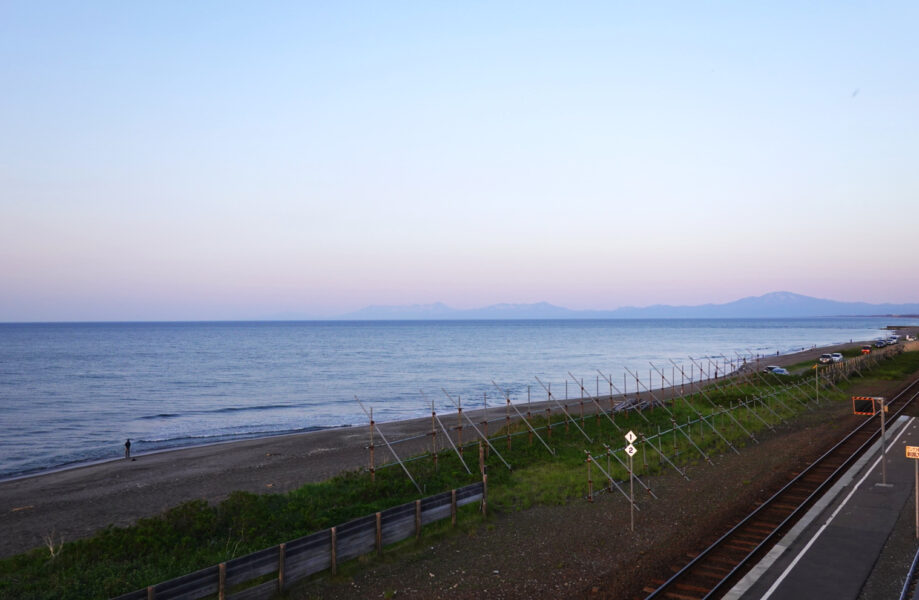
(72, 393)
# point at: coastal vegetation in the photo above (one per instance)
(195, 534)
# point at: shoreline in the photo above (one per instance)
(89, 463)
(778, 359)
(76, 502)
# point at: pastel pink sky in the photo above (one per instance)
(161, 162)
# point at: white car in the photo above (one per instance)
(837, 357)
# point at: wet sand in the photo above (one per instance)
(76, 502)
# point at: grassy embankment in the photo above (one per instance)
(196, 535)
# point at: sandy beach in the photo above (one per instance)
(76, 502)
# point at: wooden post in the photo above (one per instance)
(590, 483)
(644, 454)
(485, 495)
(221, 582)
(434, 434)
(507, 422)
(549, 422)
(599, 408)
(609, 469)
(151, 592)
(481, 457)
(282, 555)
(379, 534)
(566, 420)
(372, 471)
(453, 507)
(650, 384)
(459, 426)
(334, 551)
(529, 417)
(485, 420)
(660, 445)
(417, 519)
(612, 406)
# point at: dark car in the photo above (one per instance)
(825, 359)
(776, 370)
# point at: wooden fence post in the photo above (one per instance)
(434, 434)
(590, 483)
(507, 422)
(453, 507)
(459, 427)
(282, 558)
(372, 471)
(151, 592)
(380, 534)
(222, 581)
(485, 494)
(334, 552)
(485, 419)
(417, 519)
(530, 431)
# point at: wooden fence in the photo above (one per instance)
(262, 574)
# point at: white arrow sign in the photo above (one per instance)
(630, 437)
(630, 450)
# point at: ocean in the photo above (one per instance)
(71, 393)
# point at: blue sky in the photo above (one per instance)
(253, 160)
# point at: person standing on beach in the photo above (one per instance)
(127, 448)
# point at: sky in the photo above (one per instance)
(230, 160)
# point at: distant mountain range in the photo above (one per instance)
(773, 305)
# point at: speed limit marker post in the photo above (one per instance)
(913, 452)
(631, 450)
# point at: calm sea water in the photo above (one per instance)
(72, 393)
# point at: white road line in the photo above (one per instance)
(794, 562)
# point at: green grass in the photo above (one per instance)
(196, 535)
(895, 369)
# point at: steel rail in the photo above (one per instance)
(865, 427)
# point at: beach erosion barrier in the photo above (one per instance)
(449, 430)
(263, 574)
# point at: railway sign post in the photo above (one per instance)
(913, 452)
(631, 450)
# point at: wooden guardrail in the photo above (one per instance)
(262, 574)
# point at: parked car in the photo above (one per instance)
(837, 357)
(866, 349)
(825, 359)
(879, 343)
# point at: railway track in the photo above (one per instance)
(714, 570)
(911, 585)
